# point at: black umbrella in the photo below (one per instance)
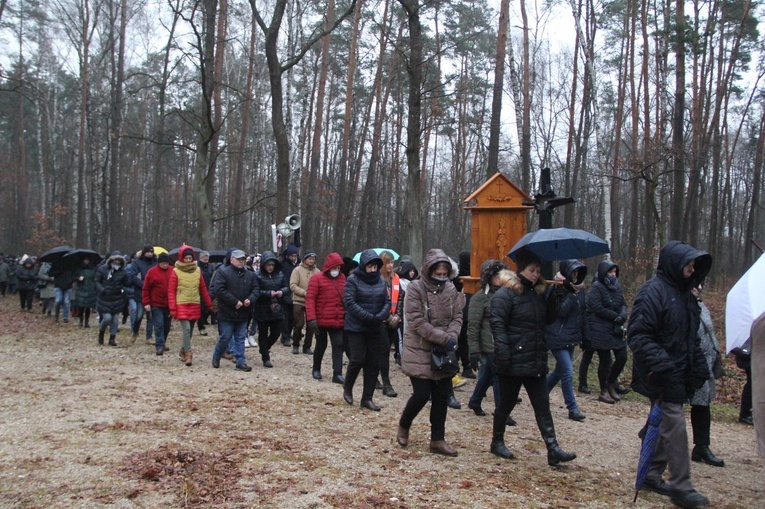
(173, 253)
(560, 244)
(74, 258)
(55, 254)
(217, 255)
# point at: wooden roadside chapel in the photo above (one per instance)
(498, 223)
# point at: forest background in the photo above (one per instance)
(205, 121)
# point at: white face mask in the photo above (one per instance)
(334, 273)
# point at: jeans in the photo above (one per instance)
(161, 320)
(564, 373)
(437, 391)
(62, 297)
(486, 378)
(111, 320)
(231, 331)
(136, 316)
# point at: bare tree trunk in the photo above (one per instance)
(497, 90)
(526, 132)
(678, 117)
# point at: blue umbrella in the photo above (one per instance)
(377, 250)
(560, 244)
(650, 438)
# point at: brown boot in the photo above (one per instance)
(402, 437)
(182, 354)
(441, 447)
(605, 397)
(189, 357)
(612, 392)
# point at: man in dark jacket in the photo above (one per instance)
(669, 364)
(111, 281)
(137, 273)
(236, 290)
(289, 262)
(63, 279)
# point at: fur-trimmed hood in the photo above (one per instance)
(511, 280)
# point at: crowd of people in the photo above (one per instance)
(368, 310)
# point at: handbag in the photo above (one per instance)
(718, 370)
(443, 360)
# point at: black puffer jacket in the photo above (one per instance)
(365, 297)
(606, 311)
(519, 313)
(234, 285)
(663, 328)
(267, 283)
(568, 329)
(111, 284)
(27, 276)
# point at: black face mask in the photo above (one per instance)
(440, 281)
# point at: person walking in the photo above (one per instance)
(185, 296)
(5, 274)
(391, 324)
(137, 272)
(606, 315)
(207, 271)
(367, 306)
(288, 264)
(668, 363)
(480, 338)
(519, 312)
(85, 296)
(27, 276)
(298, 285)
(565, 333)
(111, 281)
(273, 287)
(236, 290)
(63, 279)
(701, 416)
(45, 285)
(433, 309)
(154, 300)
(326, 315)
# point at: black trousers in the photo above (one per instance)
(268, 334)
(365, 348)
(26, 297)
(336, 338)
(701, 423)
(437, 391)
(746, 397)
(536, 388)
(608, 373)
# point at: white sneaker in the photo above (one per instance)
(250, 342)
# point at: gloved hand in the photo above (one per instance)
(313, 326)
(451, 344)
(619, 320)
(474, 358)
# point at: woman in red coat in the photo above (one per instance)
(325, 313)
(185, 295)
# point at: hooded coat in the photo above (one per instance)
(110, 284)
(568, 330)
(27, 275)
(519, 313)
(708, 340)
(324, 298)
(299, 281)
(138, 270)
(433, 315)
(264, 311)
(365, 297)
(606, 311)
(187, 289)
(663, 329)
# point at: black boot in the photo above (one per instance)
(555, 454)
(111, 340)
(703, 453)
(100, 337)
(388, 388)
(498, 447)
(452, 402)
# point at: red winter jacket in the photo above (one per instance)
(324, 297)
(155, 287)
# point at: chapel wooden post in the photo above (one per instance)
(498, 223)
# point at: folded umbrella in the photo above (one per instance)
(647, 450)
(560, 244)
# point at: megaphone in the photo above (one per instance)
(293, 221)
(284, 229)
